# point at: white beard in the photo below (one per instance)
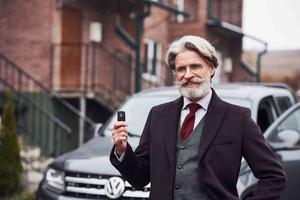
(195, 93)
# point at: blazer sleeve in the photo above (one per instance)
(262, 161)
(135, 166)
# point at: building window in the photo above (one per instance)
(152, 61)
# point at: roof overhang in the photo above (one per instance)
(230, 29)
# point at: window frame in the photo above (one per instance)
(272, 112)
(280, 107)
(152, 61)
(282, 126)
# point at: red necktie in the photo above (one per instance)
(188, 123)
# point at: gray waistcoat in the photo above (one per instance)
(187, 181)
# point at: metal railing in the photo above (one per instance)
(40, 114)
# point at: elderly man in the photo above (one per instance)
(191, 148)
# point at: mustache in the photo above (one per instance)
(194, 80)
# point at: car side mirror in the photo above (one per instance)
(93, 131)
(287, 139)
(97, 129)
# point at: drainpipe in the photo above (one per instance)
(138, 38)
(139, 32)
(258, 63)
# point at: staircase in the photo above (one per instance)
(40, 113)
(54, 124)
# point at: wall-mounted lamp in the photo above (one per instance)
(95, 32)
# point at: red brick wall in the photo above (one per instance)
(107, 15)
(25, 35)
(194, 25)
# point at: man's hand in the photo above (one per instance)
(120, 137)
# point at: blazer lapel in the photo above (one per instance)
(213, 120)
(170, 133)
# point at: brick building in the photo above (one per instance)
(90, 54)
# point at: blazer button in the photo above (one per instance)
(179, 167)
(177, 187)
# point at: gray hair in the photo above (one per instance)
(193, 43)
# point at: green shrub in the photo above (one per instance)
(22, 196)
(10, 161)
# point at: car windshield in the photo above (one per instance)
(238, 101)
(137, 109)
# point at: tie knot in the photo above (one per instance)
(194, 107)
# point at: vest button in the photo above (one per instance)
(177, 187)
(179, 167)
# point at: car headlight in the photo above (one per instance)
(55, 179)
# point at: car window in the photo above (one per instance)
(283, 103)
(266, 113)
(287, 133)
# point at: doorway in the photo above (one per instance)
(71, 48)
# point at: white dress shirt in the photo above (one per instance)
(203, 102)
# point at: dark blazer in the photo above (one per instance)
(229, 133)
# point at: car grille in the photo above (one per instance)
(92, 186)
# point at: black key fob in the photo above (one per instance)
(121, 116)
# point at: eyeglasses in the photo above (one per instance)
(194, 68)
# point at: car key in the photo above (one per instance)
(121, 115)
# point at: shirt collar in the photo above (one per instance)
(203, 102)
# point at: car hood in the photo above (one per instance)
(92, 157)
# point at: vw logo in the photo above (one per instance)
(114, 187)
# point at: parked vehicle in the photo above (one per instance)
(284, 138)
(86, 173)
